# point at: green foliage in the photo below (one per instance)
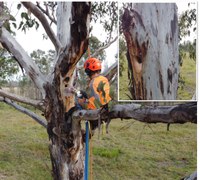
(188, 48)
(187, 20)
(95, 44)
(107, 14)
(27, 22)
(122, 55)
(7, 18)
(8, 67)
(43, 60)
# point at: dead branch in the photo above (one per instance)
(104, 47)
(35, 103)
(25, 111)
(180, 113)
(37, 13)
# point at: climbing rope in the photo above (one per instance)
(88, 146)
(86, 150)
(91, 157)
(88, 153)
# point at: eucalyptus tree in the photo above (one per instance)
(72, 19)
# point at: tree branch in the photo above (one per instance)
(25, 111)
(35, 103)
(31, 7)
(180, 113)
(47, 13)
(23, 59)
(104, 47)
(111, 72)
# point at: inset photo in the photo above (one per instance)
(157, 51)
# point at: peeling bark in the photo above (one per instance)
(66, 144)
(151, 33)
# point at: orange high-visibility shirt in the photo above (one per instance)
(102, 94)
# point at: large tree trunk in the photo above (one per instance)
(66, 144)
(151, 33)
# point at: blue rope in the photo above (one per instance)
(86, 151)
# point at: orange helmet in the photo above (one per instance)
(92, 64)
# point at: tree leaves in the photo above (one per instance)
(8, 67)
(43, 60)
(187, 22)
(107, 14)
(19, 6)
(27, 22)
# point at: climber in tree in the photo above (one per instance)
(98, 88)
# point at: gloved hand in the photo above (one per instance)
(82, 99)
(81, 94)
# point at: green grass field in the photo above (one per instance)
(130, 151)
(185, 92)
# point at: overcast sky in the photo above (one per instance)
(33, 39)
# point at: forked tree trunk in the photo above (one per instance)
(151, 33)
(66, 144)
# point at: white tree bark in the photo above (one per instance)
(151, 32)
(64, 21)
(23, 59)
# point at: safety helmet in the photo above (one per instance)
(92, 64)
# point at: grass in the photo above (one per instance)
(139, 151)
(188, 73)
(185, 92)
(124, 93)
(23, 147)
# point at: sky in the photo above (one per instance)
(33, 39)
